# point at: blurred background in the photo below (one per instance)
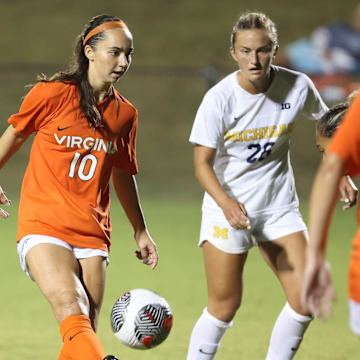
(181, 49)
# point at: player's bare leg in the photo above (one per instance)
(225, 284)
(224, 281)
(57, 273)
(93, 276)
(286, 257)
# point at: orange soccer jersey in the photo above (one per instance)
(65, 190)
(346, 144)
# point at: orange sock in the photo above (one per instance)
(80, 340)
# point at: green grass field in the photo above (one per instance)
(28, 330)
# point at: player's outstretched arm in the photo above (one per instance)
(127, 193)
(318, 291)
(9, 144)
(233, 210)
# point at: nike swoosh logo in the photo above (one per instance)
(61, 129)
(72, 337)
(206, 353)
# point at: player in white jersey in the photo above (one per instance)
(241, 135)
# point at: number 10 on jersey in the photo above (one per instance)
(81, 170)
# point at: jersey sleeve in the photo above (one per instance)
(346, 141)
(125, 157)
(207, 127)
(35, 108)
(314, 106)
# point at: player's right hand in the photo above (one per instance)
(147, 248)
(236, 215)
(3, 200)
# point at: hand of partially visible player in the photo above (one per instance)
(236, 214)
(348, 192)
(318, 292)
(148, 251)
(4, 200)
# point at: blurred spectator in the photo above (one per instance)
(331, 49)
(331, 56)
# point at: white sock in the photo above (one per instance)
(354, 316)
(206, 336)
(287, 334)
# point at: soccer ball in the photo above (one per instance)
(141, 319)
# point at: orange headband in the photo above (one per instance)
(105, 26)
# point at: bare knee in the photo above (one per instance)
(68, 302)
(224, 309)
(296, 305)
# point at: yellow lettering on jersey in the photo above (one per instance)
(223, 232)
(258, 133)
(282, 130)
(246, 138)
(229, 136)
(266, 132)
(235, 136)
(273, 131)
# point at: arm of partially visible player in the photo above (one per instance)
(318, 291)
(9, 144)
(127, 193)
(348, 192)
(234, 211)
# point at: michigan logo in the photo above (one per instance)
(221, 232)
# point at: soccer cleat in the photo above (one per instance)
(110, 357)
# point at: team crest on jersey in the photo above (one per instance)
(221, 232)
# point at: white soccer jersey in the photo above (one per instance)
(251, 134)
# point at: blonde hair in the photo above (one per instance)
(255, 20)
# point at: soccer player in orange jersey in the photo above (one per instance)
(85, 134)
(318, 290)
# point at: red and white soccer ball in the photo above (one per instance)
(141, 319)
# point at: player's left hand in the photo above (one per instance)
(348, 192)
(318, 292)
(148, 251)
